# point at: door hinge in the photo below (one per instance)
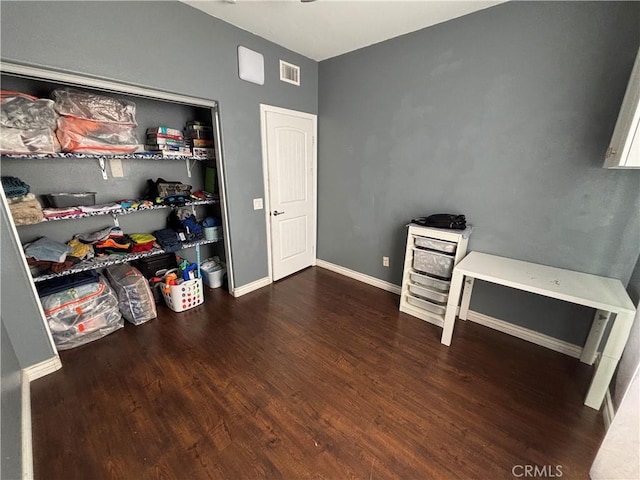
(610, 152)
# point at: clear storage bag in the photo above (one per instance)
(81, 314)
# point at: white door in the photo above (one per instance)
(290, 157)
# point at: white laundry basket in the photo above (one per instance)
(184, 296)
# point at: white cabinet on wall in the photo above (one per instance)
(430, 257)
(624, 148)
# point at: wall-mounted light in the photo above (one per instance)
(250, 65)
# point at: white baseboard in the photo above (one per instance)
(30, 374)
(477, 317)
(250, 287)
(27, 443)
(43, 368)
(376, 282)
(526, 334)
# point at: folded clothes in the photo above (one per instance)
(142, 237)
(41, 267)
(168, 239)
(142, 242)
(61, 212)
(27, 213)
(46, 249)
(114, 244)
(106, 207)
(22, 198)
(80, 250)
(142, 247)
(100, 235)
(14, 187)
(26, 210)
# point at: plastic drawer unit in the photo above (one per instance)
(433, 263)
(427, 305)
(431, 295)
(430, 257)
(430, 282)
(434, 244)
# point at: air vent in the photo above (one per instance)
(289, 73)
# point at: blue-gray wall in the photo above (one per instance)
(11, 407)
(22, 319)
(173, 47)
(503, 115)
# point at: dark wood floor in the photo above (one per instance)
(317, 376)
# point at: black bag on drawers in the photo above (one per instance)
(442, 220)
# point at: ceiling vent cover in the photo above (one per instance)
(289, 73)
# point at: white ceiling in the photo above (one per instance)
(326, 28)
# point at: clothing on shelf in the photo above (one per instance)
(28, 124)
(168, 239)
(47, 250)
(14, 187)
(26, 210)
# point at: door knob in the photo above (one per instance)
(276, 213)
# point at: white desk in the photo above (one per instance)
(606, 295)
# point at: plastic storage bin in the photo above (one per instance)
(434, 244)
(431, 295)
(213, 278)
(65, 200)
(433, 263)
(431, 282)
(182, 297)
(426, 305)
(151, 266)
(212, 272)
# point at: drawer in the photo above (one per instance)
(433, 263)
(434, 244)
(426, 305)
(430, 282)
(428, 294)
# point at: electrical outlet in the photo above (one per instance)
(385, 261)
(115, 165)
(257, 204)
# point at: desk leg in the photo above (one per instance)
(452, 306)
(466, 298)
(598, 327)
(610, 357)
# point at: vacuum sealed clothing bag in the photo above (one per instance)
(27, 124)
(93, 106)
(82, 313)
(135, 298)
(95, 138)
(26, 112)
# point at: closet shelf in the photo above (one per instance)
(95, 263)
(126, 211)
(129, 156)
(190, 161)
